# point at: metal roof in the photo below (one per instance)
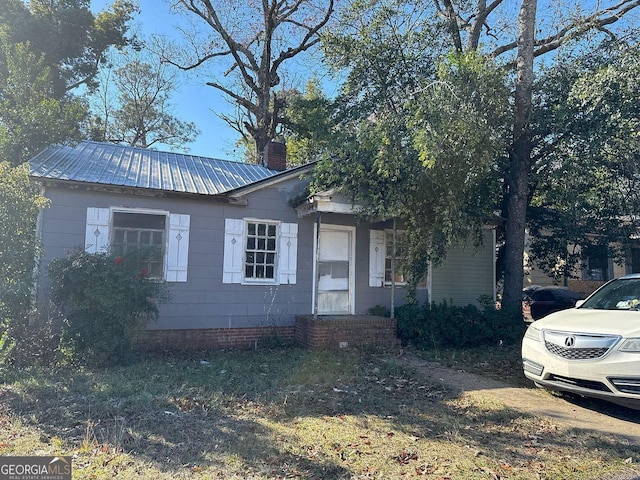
(120, 165)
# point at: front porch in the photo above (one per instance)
(342, 331)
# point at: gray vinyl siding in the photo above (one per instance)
(466, 274)
(203, 301)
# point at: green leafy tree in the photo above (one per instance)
(20, 203)
(47, 50)
(394, 27)
(307, 124)
(432, 166)
(31, 118)
(71, 38)
(587, 173)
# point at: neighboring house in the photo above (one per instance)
(597, 268)
(245, 252)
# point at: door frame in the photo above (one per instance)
(352, 268)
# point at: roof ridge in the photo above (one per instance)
(135, 147)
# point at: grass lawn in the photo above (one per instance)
(286, 413)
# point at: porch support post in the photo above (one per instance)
(317, 266)
(393, 272)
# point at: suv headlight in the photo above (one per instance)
(533, 333)
(630, 345)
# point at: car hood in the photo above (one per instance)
(583, 320)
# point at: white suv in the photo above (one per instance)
(591, 350)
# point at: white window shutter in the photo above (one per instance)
(288, 253)
(376, 258)
(96, 237)
(177, 248)
(232, 271)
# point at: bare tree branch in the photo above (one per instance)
(256, 51)
(574, 29)
(480, 20)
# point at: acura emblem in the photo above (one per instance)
(570, 341)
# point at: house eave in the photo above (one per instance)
(328, 202)
(296, 172)
(145, 192)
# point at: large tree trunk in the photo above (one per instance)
(519, 159)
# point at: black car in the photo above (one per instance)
(538, 302)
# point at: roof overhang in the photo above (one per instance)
(329, 201)
(292, 173)
(145, 192)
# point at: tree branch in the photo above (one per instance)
(480, 19)
(306, 42)
(237, 98)
(575, 29)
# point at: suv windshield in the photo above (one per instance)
(621, 294)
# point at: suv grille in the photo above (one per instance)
(578, 346)
(576, 353)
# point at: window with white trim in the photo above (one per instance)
(143, 235)
(400, 254)
(260, 251)
(161, 237)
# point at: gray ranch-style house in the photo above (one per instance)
(246, 253)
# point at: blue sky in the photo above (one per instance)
(194, 101)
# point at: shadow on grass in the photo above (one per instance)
(217, 410)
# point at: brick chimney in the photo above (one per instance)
(275, 156)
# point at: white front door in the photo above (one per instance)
(334, 270)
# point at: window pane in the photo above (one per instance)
(155, 270)
(399, 256)
(157, 238)
(142, 235)
(118, 236)
(260, 252)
